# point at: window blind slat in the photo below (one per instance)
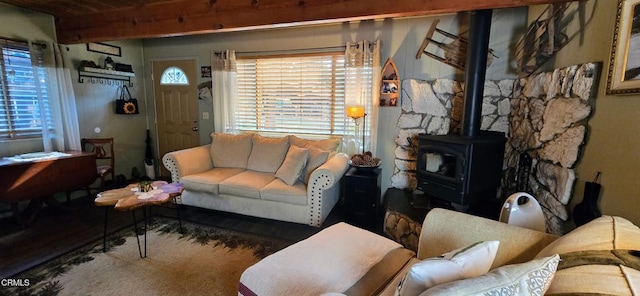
(20, 104)
(302, 94)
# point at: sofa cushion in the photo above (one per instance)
(291, 168)
(277, 190)
(603, 233)
(246, 184)
(529, 278)
(230, 151)
(317, 157)
(267, 153)
(208, 181)
(462, 263)
(324, 144)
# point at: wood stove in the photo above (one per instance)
(465, 169)
(458, 169)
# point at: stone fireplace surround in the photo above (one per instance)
(544, 116)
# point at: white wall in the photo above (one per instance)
(401, 39)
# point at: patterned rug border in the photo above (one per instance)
(42, 277)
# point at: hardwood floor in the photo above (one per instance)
(54, 232)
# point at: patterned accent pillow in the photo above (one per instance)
(467, 262)
(529, 278)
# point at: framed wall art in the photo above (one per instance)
(104, 48)
(624, 65)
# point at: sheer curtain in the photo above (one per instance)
(362, 62)
(62, 101)
(224, 82)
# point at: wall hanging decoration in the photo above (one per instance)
(624, 65)
(125, 104)
(453, 53)
(104, 48)
(390, 86)
(543, 39)
(205, 71)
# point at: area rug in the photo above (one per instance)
(204, 260)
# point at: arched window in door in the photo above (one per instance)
(173, 76)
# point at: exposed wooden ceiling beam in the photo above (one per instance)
(162, 19)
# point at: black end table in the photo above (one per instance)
(361, 198)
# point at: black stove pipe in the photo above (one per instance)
(475, 72)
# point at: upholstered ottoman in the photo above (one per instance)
(341, 258)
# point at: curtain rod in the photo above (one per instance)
(297, 50)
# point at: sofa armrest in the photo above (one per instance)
(445, 230)
(332, 170)
(323, 187)
(188, 161)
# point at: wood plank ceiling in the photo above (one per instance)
(79, 21)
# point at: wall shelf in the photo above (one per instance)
(104, 76)
(390, 86)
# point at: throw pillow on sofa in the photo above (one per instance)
(294, 162)
(529, 278)
(324, 144)
(230, 151)
(467, 262)
(316, 158)
(267, 153)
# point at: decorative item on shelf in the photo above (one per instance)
(109, 64)
(123, 67)
(90, 64)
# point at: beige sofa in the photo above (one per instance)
(286, 178)
(343, 259)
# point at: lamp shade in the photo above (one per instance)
(355, 111)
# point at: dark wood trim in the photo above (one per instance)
(175, 18)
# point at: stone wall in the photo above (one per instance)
(548, 121)
(435, 108)
(544, 116)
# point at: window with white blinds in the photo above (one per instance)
(24, 104)
(298, 94)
